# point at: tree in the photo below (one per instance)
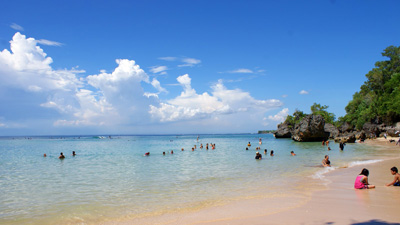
(379, 97)
(318, 109)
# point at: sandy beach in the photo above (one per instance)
(335, 202)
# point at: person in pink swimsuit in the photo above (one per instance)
(361, 181)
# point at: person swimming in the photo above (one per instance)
(361, 181)
(249, 144)
(147, 154)
(73, 153)
(271, 153)
(326, 162)
(258, 155)
(61, 156)
(265, 151)
(292, 153)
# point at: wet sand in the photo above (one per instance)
(334, 203)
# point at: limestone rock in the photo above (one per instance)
(310, 128)
(284, 131)
(332, 130)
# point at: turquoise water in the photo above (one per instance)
(111, 178)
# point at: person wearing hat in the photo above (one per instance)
(258, 155)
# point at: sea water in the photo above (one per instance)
(110, 178)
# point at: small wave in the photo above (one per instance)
(321, 173)
(357, 163)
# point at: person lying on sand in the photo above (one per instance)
(396, 181)
(361, 181)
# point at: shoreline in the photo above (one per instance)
(334, 203)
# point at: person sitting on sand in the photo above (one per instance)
(292, 153)
(61, 156)
(326, 162)
(361, 181)
(258, 155)
(396, 181)
(271, 153)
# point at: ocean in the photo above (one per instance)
(110, 178)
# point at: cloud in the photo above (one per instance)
(158, 69)
(241, 71)
(168, 58)
(280, 116)
(284, 96)
(156, 84)
(222, 101)
(303, 92)
(16, 27)
(189, 62)
(50, 43)
(115, 101)
(28, 67)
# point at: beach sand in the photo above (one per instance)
(334, 203)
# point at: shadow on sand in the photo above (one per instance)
(375, 222)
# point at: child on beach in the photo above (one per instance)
(361, 181)
(396, 181)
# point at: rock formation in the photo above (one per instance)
(310, 128)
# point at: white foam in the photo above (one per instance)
(366, 162)
(321, 174)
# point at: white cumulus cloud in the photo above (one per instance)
(280, 116)
(303, 92)
(190, 105)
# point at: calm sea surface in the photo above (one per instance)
(111, 178)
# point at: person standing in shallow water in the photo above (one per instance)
(61, 156)
(341, 145)
(258, 155)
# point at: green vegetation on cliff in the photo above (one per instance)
(379, 97)
(316, 109)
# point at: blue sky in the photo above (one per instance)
(159, 67)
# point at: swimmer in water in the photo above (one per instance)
(292, 153)
(61, 156)
(147, 154)
(258, 155)
(73, 153)
(271, 153)
(326, 162)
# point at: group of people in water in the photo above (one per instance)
(361, 181)
(193, 148)
(61, 156)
